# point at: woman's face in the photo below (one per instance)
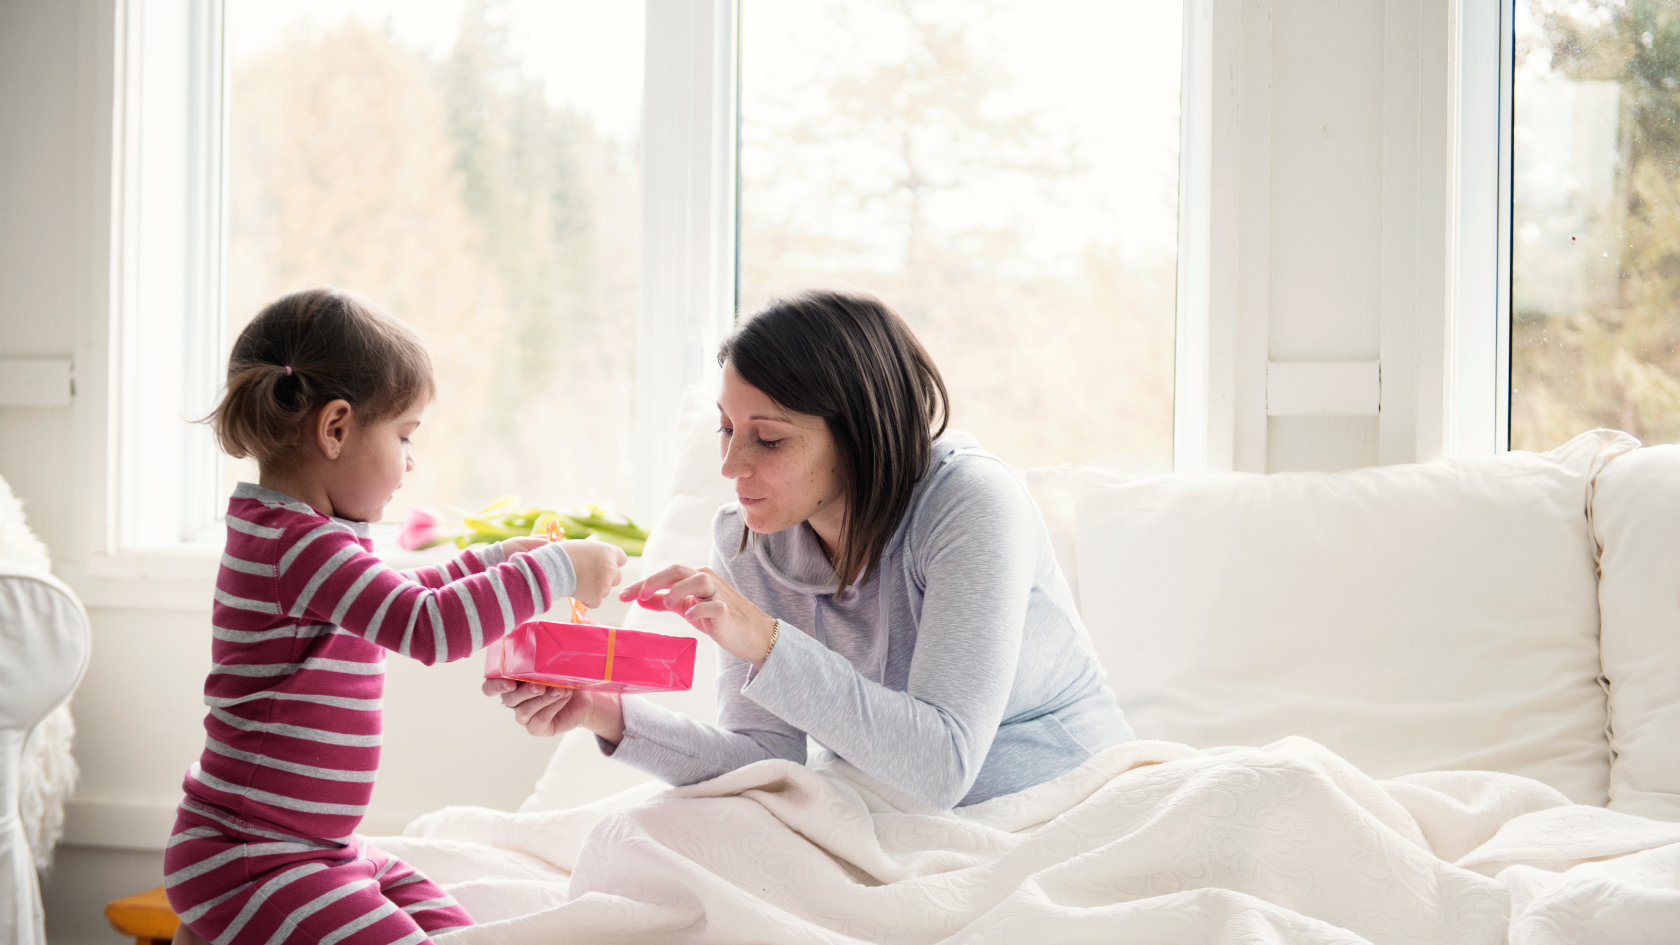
(784, 464)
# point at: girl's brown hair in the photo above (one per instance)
(305, 350)
(854, 362)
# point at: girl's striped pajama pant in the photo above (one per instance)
(235, 885)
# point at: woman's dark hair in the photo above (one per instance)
(305, 350)
(854, 362)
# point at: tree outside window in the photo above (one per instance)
(1595, 337)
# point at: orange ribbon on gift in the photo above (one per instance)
(580, 614)
(606, 674)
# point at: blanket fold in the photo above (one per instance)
(1147, 841)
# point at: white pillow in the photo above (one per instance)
(578, 773)
(1411, 618)
(1056, 490)
(1636, 517)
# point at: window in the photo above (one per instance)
(1595, 286)
(1006, 176)
(547, 190)
(473, 167)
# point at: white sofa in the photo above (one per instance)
(44, 645)
(1518, 614)
(1439, 616)
(1515, 614)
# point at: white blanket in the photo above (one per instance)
(1284, 844)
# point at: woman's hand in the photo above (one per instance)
(555, 710)
(708, 603)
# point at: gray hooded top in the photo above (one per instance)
(958, 672)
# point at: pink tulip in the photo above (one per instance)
(421, 528)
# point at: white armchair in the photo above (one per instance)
(44, 644)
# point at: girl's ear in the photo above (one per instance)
(332, 428)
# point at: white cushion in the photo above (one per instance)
(1056, 489)
(1636, 517)
(1410, 618)
(578, 773)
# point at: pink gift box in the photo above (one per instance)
(588, 656)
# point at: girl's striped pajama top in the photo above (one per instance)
(303, 617)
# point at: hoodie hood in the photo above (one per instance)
(795, 558)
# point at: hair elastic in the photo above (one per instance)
(288, 370)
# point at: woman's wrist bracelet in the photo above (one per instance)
(775, 631)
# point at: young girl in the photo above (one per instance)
(324, 391)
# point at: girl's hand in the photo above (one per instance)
(711, 606)
(554, 710)
(513, 546)
(597, 565)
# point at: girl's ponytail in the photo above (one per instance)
(256, 418)
(304, 351)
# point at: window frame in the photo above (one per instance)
(1202, 435)
(690, 144)
(164, 265)
(1478, 370)
(687, 295)
(151, 238)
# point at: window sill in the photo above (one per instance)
(183, 577)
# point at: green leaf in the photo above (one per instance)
(509, 499)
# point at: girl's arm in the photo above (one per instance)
(328, 577)
(470, 561)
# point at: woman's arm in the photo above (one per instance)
(666, 744)
(977, 545)
(680, 750)
(980, 548)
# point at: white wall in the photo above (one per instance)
(1328, 235)
(138, 712)
(1326, 214)
(45, 69)
(1332, 149)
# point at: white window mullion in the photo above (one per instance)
(166, 312)
(1502, 265)
(688, 223)
(205, 269)
(1219, 419)
(1477, 394)
(153, 316)
(1197, 434)
(110, 519)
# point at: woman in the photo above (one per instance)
(883, 585)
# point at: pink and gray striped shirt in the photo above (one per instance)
(303, 616)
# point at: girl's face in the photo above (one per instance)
(785, 466)
(372, 463)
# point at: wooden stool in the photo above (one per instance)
(146, 916)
